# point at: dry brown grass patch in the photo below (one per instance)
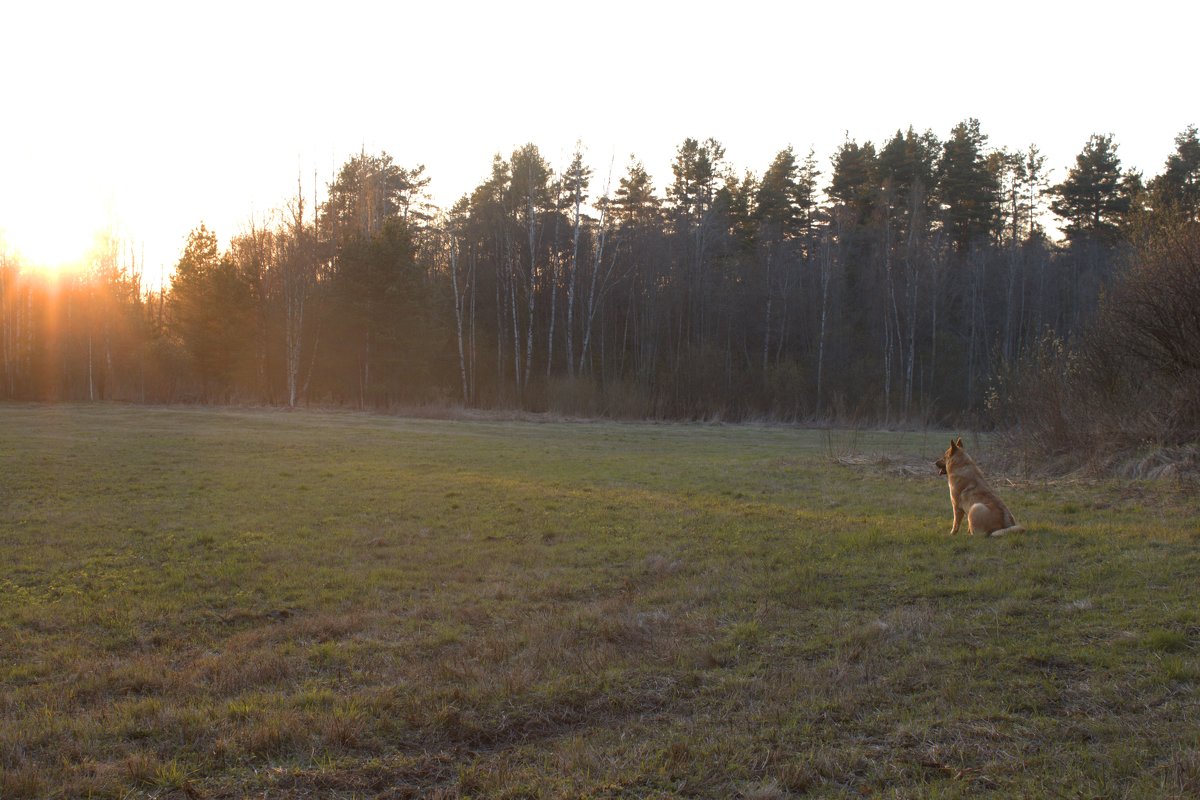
(233, 671)
(21, 782)
(273, 734)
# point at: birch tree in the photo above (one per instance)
(454, 235)
(576, 181)
(601, 279)
(530, 195)
(297, 268)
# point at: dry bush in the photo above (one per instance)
(1156, 307)
(1128, 389)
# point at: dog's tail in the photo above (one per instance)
(1009, 529)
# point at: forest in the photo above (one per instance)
(916, 281)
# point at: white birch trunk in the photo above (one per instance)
(571, 290)
(597, 266)
(531, 285)
(459, 297)
(826, 274)
(297, 276)
(766, 349)
(593, 293)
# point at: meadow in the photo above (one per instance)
(229, 603)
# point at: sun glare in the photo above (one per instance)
(51, 248)
(48, 249)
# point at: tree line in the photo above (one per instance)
(895, 283)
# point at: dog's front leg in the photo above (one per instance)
(959, 513)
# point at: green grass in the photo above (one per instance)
(231, 603)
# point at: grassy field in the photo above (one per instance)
(222, 604)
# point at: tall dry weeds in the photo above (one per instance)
(1129, 388)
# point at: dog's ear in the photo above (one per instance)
(951, 444)
(959, 443)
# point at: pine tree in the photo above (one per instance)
(777, 201)
(967, 187)
(698, 171)
(212, 311)
(1094, 199)
(907, 164)
(853, 182)
(634, 203)
(1178, 187)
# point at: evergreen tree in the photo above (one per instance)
(967, 187)
(1095, 198)
(907, 164)
(697, 170)
(1178, 187)
(212, 306)
(634, 203)
(368, 217)
(378, 290)
(777, 202)
(368, 191)
(853, 182)
(738, 198)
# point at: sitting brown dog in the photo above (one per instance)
(970, 496)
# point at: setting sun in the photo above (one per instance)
(48, 250)
(48, 234)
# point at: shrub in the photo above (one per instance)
(1131, 382)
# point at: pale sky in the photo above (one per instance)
(153, 117)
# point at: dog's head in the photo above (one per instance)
(956, 446)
